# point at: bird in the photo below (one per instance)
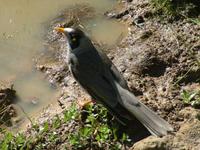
(101, 79)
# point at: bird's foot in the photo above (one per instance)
(83, 103)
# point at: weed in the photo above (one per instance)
(45, 127)
(91, 128)
(164, 6)
(191, 98)
(71, 114)
(96, 131)
(177, 7)
(195, 20)
(56, 122)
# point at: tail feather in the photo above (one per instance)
(155, 124)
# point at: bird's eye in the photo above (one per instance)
(73, 39)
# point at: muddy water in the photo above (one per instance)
(22, 29)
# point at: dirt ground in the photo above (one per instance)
(159, 59)
(7, 108)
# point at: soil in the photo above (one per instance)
(7, 109)
(159, 59)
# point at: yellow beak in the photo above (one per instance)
(59, 29)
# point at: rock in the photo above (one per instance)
(117, 15)
(138, 20)
(34, 100)
(7, 93)
(188, 136)
(151, 143)
(189, 113)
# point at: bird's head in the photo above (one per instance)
(74, 36)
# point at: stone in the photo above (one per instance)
(151, 143)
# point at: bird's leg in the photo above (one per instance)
(84, 102)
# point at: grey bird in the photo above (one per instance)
(95, 72)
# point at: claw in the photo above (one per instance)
(83, 103)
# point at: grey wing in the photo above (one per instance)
(103, 90)
(113, 69)
(118, 77)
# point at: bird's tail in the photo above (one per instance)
(155, 124)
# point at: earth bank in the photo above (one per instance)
(159, 58)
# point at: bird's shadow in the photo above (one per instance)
(134, 129)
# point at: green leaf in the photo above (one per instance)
(74, 140)
(7, 140)
(85, 132)
(57, 122)
(20, 139)
(45, 127)
(191, 96)
(71, 114)
(103, 133)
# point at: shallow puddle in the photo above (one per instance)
(22, 30)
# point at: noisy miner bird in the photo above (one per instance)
(95, 72)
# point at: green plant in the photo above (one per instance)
(71, 114)
(97, 130)
(45, 127)
(195, 20)
(91, 127)
(192, 98)
(103, 134)
(56, 122)
(164, 6)
(5, 143)
(12, 142)
(177, 7)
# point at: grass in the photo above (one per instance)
(192, 72)
(189, 8)
(91, 128)
(195, 20)
(191, 98)
(164, 6)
